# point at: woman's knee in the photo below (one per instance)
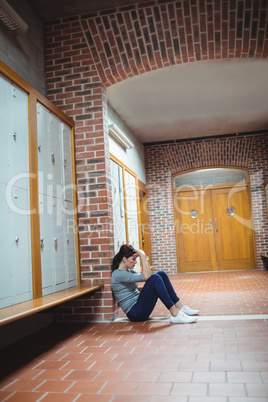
(162, 274)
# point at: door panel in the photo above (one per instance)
(221, 236)
(233, 230)
(195, 240)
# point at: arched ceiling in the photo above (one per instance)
(186, 100)
(194, 100)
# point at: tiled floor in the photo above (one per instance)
(221, 358)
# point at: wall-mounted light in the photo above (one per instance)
(115, 132)
(11, 19)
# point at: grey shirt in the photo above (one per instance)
(124, 286)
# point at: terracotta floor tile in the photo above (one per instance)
(190, 389)
(52, 374)
(113, 375)
(140, 376)
(86, 387)
(154, 388)
(157, 398)
(119, 388)
(24, 385)
(59, 397)
(54, 386)
(131, 398)
(81, 375)
(209, 399)
(257, 390)
(226, 366)
(244, 377)
(209, 377)
(175, 377)
(25, 397)
(247, 399)
(221, 389)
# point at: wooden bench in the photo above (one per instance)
(264, 255)
(20, 310)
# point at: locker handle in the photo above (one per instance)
(52, 157)
(65, 163)
(14, 136)
(42, 242)
(56, 243)
(210, 225)
(216, 223)
(17, 239)
(68, 240)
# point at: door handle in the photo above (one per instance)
(216, 224)
(210, 225)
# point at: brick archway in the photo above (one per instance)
(136, 39)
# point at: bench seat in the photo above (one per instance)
(20, 310)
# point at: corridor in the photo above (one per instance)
(221, 358)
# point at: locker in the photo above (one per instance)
(18, 136)
(4, 124)
(45, 210)
(118, 206)
(44, 177)
(57, 243)
(67, 163)
(58, 259)
(56, 157)
(5, 245)
(21, 245)
(49, 152)
(16, 274)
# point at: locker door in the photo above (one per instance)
(69, 244)
(44, 177)
(4, 124)
(5, 245)
(56, 157)
(45, 211)
(21, 246)
(19, 138)
(58, 245)
(118, 206)
(132, 210)
(67, 163)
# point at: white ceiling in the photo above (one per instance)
(191, 100)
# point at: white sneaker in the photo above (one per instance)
(182, 318)
(188, 311)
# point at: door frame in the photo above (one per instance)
(210, 187)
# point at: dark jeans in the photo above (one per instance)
(157, 286)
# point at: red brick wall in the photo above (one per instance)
(164, 160)
(86, 54)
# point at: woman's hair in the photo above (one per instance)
(126, 250)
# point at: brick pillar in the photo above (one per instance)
(74, 85)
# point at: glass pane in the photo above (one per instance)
(210, 176)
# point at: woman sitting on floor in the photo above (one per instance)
(138, 306)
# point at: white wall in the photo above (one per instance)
(133, 158)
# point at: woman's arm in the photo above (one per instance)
(146, 269)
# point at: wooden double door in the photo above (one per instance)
(214, 229)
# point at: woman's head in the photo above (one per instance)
(126, 251)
